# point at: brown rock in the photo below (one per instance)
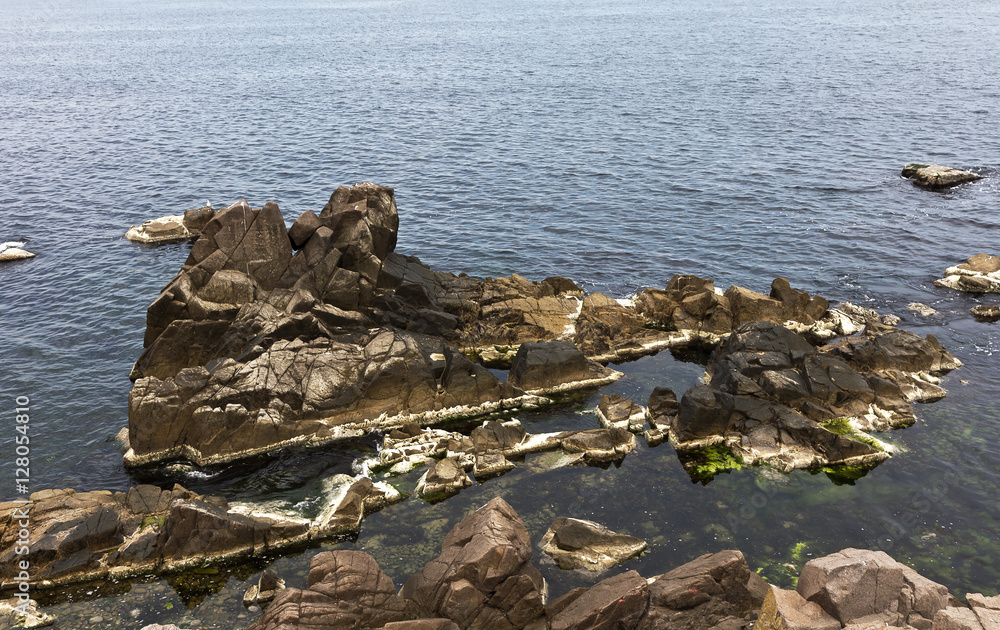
(483, 577)
(986, 313)
(787, 610)
(935, 176)
(616, 411)
(957, 619)
(444, 479)
(853, 583)
(616, 602)
(548, 365)
(303, 228)
(982, 263)
(579, 544)
(750, 306)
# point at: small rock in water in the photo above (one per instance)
(890, 319)
(936, 176)
(96, 620)
(921, 309)
(11, 250)
(986, 313)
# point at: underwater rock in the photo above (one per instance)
(579, 544)
(172, 228)
(483, 577)
(979, 274)
(935, 176)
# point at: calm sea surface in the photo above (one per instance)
(615, 143)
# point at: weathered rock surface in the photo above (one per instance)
(103, 535)
(444, 479)
(24, 614)
(787, 610)
(483, 577)
(935, 176)
(619, 601)
(265, 590)
(171, 228)
(769, 395)
(346, 589)
(547, 367)
(979, 274)
(701, 593)
(589, 546)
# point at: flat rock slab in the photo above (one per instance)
(589, 546)
(935, 176)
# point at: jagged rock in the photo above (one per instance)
(346, 589)
(688, 302)
(935, 176)
(986, 609)
(550, 366)
(986, 313)
(444, 479)
(853, 584)
(979, 274)
(787, 610)
(621, 413)
(920, 598)
(616, 602)
(579, 544)
(303, 228)
(265, 590)
(701, 593)
(348, 501)
(483, 577)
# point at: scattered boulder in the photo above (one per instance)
(444, 479)
(616, 411)
(922, 309)
(986, 313)
(345, 589)
(265, 590)
(979, 274)
(586, 545)
(11, 251)
(173, 228)
(483, 577)
(935, 176)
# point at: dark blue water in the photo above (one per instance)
(616, 143)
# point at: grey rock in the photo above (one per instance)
(853, 583)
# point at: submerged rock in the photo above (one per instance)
(935, 176)
(172, 228)
(589, 546)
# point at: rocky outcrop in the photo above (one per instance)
(265, 590)
(771, 396)
(548, 367)
(442, 480)
(578, 544)
(102, 535)
(935, 176)
(979, 274)
(173, 228)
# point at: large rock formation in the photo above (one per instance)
(269, 338)
(769, 395)
(102, 535)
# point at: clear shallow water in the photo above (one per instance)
(615, 143)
